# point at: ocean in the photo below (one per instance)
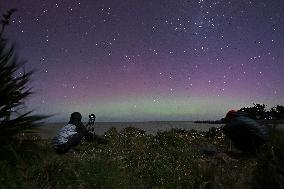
(49, 130)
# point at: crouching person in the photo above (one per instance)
(245, 133)
(70, 135)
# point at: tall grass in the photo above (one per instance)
(134, 159)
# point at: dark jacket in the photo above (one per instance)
(80, 128)
(245, 133)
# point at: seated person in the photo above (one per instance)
(246, 134)
(70, 135)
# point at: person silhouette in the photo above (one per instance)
(70, 135)
(245, 133)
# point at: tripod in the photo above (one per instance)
(91, 135)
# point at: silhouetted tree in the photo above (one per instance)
(13, 90)
(6, 19)
(277, 112)
(258, 111)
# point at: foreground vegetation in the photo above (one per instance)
(133, 159)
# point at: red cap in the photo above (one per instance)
(231, 114)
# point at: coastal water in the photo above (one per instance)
(49, 130)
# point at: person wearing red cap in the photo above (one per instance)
(245, 133)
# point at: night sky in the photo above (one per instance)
(142, 60)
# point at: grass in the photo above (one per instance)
(134, 159)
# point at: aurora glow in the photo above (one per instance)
(137, 60)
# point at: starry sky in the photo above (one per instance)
(150, 60)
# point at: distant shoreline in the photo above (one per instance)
(102, 122)
(48, 130)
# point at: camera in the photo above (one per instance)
(92, 119)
